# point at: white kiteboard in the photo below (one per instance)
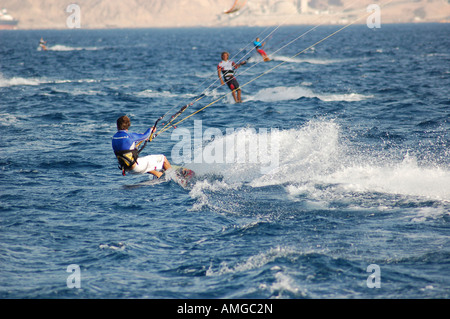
(181, 175)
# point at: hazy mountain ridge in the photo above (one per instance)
(51, 14)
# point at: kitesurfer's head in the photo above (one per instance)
(225, 55)
(123, 123)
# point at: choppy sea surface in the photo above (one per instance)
(335, 165)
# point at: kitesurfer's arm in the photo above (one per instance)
(236, 66)
(219, 74)
(137, 137)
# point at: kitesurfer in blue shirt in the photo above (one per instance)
(125, 146)
(258, 46)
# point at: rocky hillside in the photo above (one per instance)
(51, 14)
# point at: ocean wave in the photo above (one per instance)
(8, 119)
(283, 93)
(253, 262)
(156, 94)
(5, 82)
(116, 247)
(33, 81)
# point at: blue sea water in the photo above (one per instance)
(357, 130)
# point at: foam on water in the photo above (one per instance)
(316, 154)
(282, 93)
(254, 262)
(305, 60)
(282, 282)
(308, 148)
(5, 82)
(17, 81)
(61, 47)
(404, 178)
(155, 94)
(8, 119)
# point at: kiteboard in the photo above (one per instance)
(181, 175)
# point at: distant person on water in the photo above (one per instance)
(226, 69)
(125, 146)
(42, 44)
(258, 47)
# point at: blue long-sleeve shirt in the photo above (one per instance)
(257, 44)
(124, 140)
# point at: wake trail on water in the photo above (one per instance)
(288, 59)
(291, 93)
(35, 81)
(283, 93)
(315, 160)
(61, 47)
(319, 61)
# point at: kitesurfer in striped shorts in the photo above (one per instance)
(226, 69)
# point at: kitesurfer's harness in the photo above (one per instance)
(127, 158)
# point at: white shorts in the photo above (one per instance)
(149, 163)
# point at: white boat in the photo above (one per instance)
(7, 21)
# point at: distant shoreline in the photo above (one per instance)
(223, 26)
(176, 14)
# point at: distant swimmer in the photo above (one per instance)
(258, 46)
(226, 69)
(42, 44)
(125, 145)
